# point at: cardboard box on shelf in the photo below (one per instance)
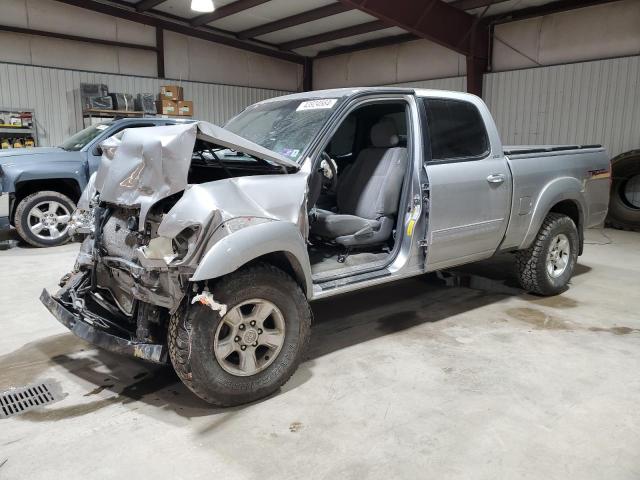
(171, 92)
(185, 108)
(167, 107)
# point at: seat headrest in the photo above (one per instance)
(384, 134)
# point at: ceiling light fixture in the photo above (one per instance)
(204, 6)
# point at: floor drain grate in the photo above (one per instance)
(22, 399)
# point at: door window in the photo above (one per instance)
(456, 129)
(343, 140)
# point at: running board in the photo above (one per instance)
(330, 287)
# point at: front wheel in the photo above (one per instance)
(546, 267)
(251, 350)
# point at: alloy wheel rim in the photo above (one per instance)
(49, 220)
(249, 337)
(558, 256)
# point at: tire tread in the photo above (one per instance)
(530, 274)
(179, 331)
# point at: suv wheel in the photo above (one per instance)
(42, 218)
(252, 350)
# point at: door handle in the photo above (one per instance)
(496, 178)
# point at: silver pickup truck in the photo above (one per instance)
(206, 244)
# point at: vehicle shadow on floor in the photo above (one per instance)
(339, 323)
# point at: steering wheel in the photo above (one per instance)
(330, 178)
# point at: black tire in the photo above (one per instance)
(21, 218)
(191, 337)
(623, 214)
(532, 262)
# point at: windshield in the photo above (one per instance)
(79, 140)
(286, 127)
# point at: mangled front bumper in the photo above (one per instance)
(87, 326)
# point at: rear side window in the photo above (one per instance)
(456, 129)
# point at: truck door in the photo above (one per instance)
(469, 183)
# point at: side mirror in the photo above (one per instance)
(97, 151)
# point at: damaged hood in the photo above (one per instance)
(141, 166)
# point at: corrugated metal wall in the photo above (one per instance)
(585, 103)
(589, 102)
(54, 95)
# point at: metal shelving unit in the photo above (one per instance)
(16, 131)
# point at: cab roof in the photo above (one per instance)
(348, 92)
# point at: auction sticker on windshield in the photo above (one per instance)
(317, 104)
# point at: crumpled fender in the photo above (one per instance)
(242, 246)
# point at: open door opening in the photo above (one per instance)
(356, 190)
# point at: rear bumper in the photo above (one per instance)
(75, 322)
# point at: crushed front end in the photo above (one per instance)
(121, 292)
(162, 197)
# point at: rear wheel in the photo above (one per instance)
(42, 218)
(251, 350)
(546, 267)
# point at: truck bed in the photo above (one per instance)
(537, 169)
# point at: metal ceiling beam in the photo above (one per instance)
(378, 42)
(226, 10)
(75, 38)
(160, 52)
(293, 20)
(439, 22)
(431, 19)
(307, 75)
(546, 9)
(334, 35)
(179, 27)
(145, 5)
(383, 42)
(471, 4)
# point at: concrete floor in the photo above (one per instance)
(411, 380)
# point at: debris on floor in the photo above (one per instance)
(206, 298)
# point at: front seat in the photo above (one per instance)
(368, 193)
